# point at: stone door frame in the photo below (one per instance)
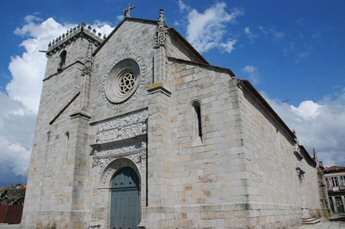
(102, 191)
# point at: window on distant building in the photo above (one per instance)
(335, 182)
(342, 181)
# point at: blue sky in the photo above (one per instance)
(292, 51)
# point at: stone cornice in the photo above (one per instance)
(73, 34)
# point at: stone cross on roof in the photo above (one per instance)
(127, 12)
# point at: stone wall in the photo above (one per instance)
(270, 164)
(208, 172)
(58, 174)
(311, 190)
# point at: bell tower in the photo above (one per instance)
(57, 174)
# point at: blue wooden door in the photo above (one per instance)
(125, 200)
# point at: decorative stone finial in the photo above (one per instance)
(161, 30)
(161, 18)
(127, 12)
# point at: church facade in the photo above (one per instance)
(138, 130)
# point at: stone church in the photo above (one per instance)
(138, 130)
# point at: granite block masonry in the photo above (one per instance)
(138, 130)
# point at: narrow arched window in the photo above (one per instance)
(66, 144)
(197, 124)
(63, 55)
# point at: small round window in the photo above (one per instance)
(122, 81)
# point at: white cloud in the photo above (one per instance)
(105, 27)
(19, 105)
(228, 46)
(307, 110)
(251, 73)
(319, 125)
(248, 31)
(16, 134)
(249, 69)
(120, 17)
(277, 34)
(271, 32)
(207, 30)
(183, 6)
(27, 70)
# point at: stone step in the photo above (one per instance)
(309, 221)
(337, 218)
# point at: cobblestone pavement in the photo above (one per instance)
(325, 225)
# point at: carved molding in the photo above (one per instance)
(121, 142)
(105, 171)
(125, 132)
(120, 128)
(121, 150)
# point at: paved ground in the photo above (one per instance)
(6, 226)
(326, 225)
(321, 225)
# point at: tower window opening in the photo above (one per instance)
(63, 55)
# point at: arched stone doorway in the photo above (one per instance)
(125, 199)
(105, 170)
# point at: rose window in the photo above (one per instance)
(122, 81)
(127, 82)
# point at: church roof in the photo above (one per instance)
(179, 37)
(207, 66)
